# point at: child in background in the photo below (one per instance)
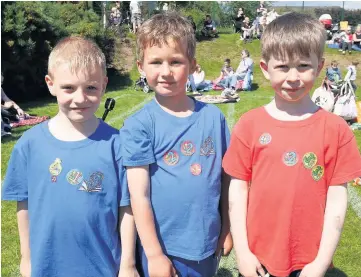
(333, 73)
(352, 74)
(67, 177)
(288, 193)
(173, 149)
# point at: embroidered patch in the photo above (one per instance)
(290, 158)
(196, 169)
(94, 184)
(188, 148)
(171, 157)
(74, 177)
(317, 172)
(309, 160)
(55, 168)
(265, 138)
(207, 147)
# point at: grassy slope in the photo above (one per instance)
(210, 55)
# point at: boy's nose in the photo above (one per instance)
(80, 96)
(166, 71)
(293, 75)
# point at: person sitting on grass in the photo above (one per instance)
(197, 80)
(244, 69)
(333, 73)
(209, 27)
(247, 30)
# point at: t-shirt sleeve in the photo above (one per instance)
(124, 190)
(346, 162)
(137, 148)
(15, 186)
(225, 136)
(237, 160)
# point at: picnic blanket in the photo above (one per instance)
(30, 120)
(215, 99)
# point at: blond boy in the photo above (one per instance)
(67, 177)
(290, 162)
(173, 149)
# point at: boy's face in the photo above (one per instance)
(78, 94)
(167, 68)
(226, 64)
(292, 79)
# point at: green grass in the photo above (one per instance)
(210, 54)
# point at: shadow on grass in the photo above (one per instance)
(118, 80)
(335, 272)
(224, 272)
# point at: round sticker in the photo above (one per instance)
(171, 157)
(290, 158)
(317, 172)
(309, 160)
(196, 169)
(265, 138)
(74, 177)
(188, 148)
(55, 168)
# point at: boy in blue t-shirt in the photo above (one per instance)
(67, 177)
(173, 149)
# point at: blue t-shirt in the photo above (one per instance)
(74, 190)
(184, 157)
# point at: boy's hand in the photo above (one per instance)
(160, 266)
(128, 271)
(25, 267)
(313, 269)
(225, 242)
(248, 265)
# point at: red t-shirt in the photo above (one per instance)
(290, 166)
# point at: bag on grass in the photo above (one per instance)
(345, 105)
(323, 97)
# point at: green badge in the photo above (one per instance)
(317, 172)
(309, 160)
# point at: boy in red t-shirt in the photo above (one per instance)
(290, 162)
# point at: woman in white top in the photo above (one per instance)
(197, 79)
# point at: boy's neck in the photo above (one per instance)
(64, 129)
(179, 105)
(291, 111)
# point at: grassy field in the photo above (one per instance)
(210, 55)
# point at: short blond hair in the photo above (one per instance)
(293, 35)
(165, 27)
(79, 53)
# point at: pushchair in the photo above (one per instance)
(142, 84)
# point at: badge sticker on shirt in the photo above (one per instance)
(188, 148)
(207, 147)
(171, 157)
(290, 158)
(94, 184)
(309, 160)
(74, 177)
(317, 172)
(55, 168)
(265, 138)
(196, 169)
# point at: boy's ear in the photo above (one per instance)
(320, 66)
(140, 67)
(264, 67)
(192, 67)
(105, 82)
(49, 82)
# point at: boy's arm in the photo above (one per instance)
(128, 240)
(23, 226)
(139, 188)
(336, 206)
(248, 264)
(225, 240)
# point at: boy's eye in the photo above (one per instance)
(281, 66)
(155, 62)
(66, 87)
(176, 62)
(304, 65)
(91, 88)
